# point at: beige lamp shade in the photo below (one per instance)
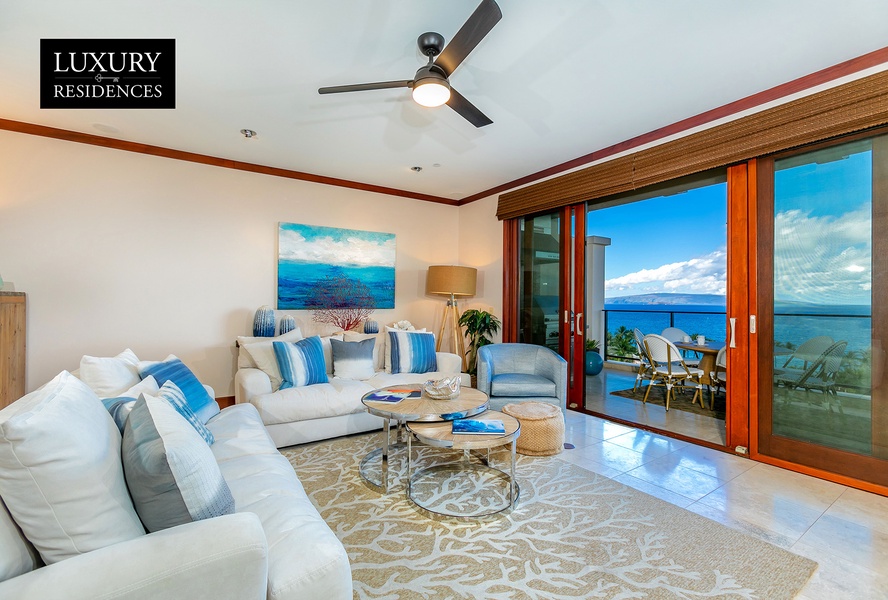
(450, 279)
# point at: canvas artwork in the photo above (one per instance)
(329, 267)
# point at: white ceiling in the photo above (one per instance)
(559, 79)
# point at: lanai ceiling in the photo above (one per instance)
(560, 79)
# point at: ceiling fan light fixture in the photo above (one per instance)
(431, 91)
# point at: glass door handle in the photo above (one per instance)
(579, 331)
(732, 343)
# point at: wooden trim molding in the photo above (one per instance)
(840, 110)
(106, 142)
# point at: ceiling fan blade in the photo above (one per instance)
(470, 35)
(467, 110)
(360, 87)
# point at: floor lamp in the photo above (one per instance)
(453, 281)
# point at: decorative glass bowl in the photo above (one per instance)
(442, 389)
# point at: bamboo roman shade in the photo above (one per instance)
(843, 109)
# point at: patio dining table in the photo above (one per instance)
(708, 353)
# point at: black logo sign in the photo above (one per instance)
(107, 73)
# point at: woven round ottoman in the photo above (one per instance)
(542, 428)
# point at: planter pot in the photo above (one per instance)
(594, 363)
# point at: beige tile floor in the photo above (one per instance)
(843, 529)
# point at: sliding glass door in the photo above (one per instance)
(823, 277)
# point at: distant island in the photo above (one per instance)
(670, 299)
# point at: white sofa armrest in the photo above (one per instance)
(249, 383)
(448, 362)
(452, 364)
(223, 557)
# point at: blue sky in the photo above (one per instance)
(822, 246)
(671, 244)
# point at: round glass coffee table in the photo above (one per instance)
(444, 494)
(469, 403)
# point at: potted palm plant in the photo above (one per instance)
(480, 325)
(594, 362)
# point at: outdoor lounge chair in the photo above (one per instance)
(820, 375)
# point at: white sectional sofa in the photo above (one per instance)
(299, 415)
(275, 545)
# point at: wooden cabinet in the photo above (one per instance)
(12, 347)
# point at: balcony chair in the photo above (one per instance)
(645, 370)
(718, 377)
(674, 334)
(670, 368)
(805, 355)
(520, 373)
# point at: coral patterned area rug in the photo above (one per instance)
(573, 534)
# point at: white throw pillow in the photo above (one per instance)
(328, 351)
(171, 472)
(60, 471)
(246, 361)
(262, 355)
(110, 376)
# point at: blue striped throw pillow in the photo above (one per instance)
(172, 394)
(413, 351)
(301, 363)
(173, 369)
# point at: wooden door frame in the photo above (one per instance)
(761, 360)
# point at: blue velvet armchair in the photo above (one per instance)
(521, 373)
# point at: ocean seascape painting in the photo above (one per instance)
(310, 257)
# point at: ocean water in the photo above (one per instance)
(849, 323)
(296, 280)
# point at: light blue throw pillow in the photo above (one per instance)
(301, 363)
(171, 473)
(353, 360)
(173, 369)
(413, 351)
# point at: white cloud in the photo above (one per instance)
(702, 275)
(823, 259)
(349, 251)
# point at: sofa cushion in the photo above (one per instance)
(521, 385)
(60, 471)
(120, 407)
(262, 355)
(110, 376)
(353, 360)
(17, 555)
(171, 394)
(335, 398)
(301, 363)
(173, 369)
(412, 351)
(263, 482)
(171, 472)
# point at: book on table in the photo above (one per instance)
(393, 395)
(478, 427)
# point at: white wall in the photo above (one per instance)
(117, 249)
(481, 246)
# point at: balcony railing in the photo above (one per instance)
(620, 344)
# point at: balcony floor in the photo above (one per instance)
(600, 400)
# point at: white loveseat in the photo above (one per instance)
(274, 546)
(299, 415)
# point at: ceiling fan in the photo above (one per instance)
(431, 84)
